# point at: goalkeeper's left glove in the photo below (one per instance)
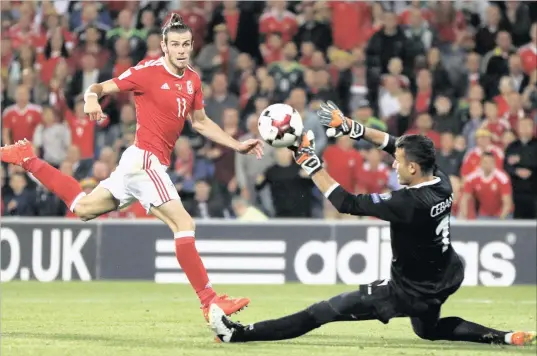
(338, 125)
(304, 153)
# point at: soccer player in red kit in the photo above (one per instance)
(491, 188)
(167, 92)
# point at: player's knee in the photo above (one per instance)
(322, 312)
(182, 222)
(84, 211)
(424, 333)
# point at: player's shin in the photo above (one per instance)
(191, 263)
(65, 187)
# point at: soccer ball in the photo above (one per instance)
(280, 125)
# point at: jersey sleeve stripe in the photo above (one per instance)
(330, 190)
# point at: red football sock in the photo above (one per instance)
(190, 261)
(65, 187)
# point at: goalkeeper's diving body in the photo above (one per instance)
(425, 269)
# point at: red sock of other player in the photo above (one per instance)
(65, 187)
(190, 261)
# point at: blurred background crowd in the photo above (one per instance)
(462, 72)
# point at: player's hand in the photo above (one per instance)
(94, 110)
(251, 147)
(337, 123)
(304, 153)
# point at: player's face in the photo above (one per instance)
(405, 169)
(178, 48)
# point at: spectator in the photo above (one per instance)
(100, 171)
(92, 46)
(148, 23)
(472, 159)
(494, 123)
(21, 201)
(445, 120)
(529, 97)
(388, 43)
(519, 79)
(290, 187)
(206, 203)
(447, 21)
(515, 110)
(287, 73)
(424, 126)
(388, 102)
(297, 99)
(220, 98)
(528, 52)
(89, 17)
(224, 157)
(419, 34)
(83, 129)
(248, 168)
(22, 33)
(517, 21)
(218, 56)
(521, 165)
(344, 163)
(55, 51)
(154, 51)
(374, 174)
(475, 121)
(244, 211)
(448, 159)
(495, 62)
(456, 186)
(127, 123)
(318, 33)
(485, 37)
(47, 202)
(20, 119)
(319, 87)
(491, 188)
(88, 74)
(404, 120)
(24, 60)
(188, 168)
(81, 167)
(364, 115)
(278, 19)
(395, 68)
(109, 157)
(471, 76)
(52, 138)
(125, 29)
(424, 97)
(272, 51)
(441, 80)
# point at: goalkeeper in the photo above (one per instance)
(425, 269)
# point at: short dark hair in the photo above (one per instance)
(175, 24)
(488, 154)
(419, 149)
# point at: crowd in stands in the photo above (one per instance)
(463, 72)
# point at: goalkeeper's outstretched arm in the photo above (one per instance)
(381, 139)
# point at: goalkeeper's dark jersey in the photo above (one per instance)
(424, 262)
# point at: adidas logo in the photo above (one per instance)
(165, 86)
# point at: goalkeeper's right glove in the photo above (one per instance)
(339, 125)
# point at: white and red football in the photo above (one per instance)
(280, 125)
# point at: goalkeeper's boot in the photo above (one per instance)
(225, 329)
(17, 153)
(228, 305)
(522, 338)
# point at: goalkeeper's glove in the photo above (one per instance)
(339, 125)
(304, 153)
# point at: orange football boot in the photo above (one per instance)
(523, 338)
(228, 305)
(17, 153)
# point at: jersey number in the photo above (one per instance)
(442, 230)
(181, 105)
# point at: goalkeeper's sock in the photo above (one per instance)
(63, 186)
(190, 261)
(288, 327)
(457, 329)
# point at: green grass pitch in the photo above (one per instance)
(139, 318)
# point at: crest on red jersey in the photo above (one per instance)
(179, 87)
(189, 87)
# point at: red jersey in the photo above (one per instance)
(423, 101)
(528, 55)
(287, 25)
(496, 128)
(83, 133)
(374, 180)
(163, 102)
(20, 37)
(488, 191)
(345, 166)
(21, 122)
(472, 159)
(350, 20)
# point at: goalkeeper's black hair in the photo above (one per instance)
(419, 149)
(175, 24)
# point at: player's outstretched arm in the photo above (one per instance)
(394, 207)
(338, 125)
(92, 95)
(208, 128)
